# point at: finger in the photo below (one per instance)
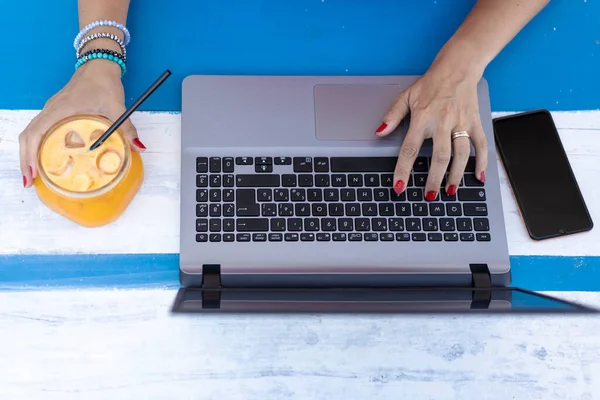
(32, 136)
(129, 132)
(408, 154)
(33, 145)
(394, 115)
(481, 150)
(25, 169)
(442, 149)
(461, 148)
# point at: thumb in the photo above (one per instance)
(394, 115)
(130, 133)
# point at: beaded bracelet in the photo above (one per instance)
(103, 35)
(102, 54)
(96, 24)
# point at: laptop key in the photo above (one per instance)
(419, 209)
(434, 237)
(369, 209)
(252, 210)
(263, 168)
(381, 195)
(331, 195)
(305, 180)
(201, 180)
(322, 180)
(278, 224)
(403, 210)
(291, 237)
(467, 237)
(264, 195)
(365, 195)
(403, 237)
(201, 237)
(263, 160)
(413, 224)
(283, 161)
(323, 237)
(243, 237)
(397, 197)
(215, 164)
(215, 195)
(201, 210)
(228, 237)
(228, 196)
(362, 224)
(471, 180)
(371, 237)
(475, 209)
(339, 237)
(228, 225)
(243, 160)
(436, 209)
(419, 237)
(298, 194)
(352, 209)
(314, 194)
(470, 165)
(430, 224)
(307, 237)
(288, 180)
(454, 209)
(321, 164)
(386, 209)
(311, 224)
(447, 224)
(285, 209)
(387, 180)
(451, 237)
(420, 180)
(471, 194)
(483, 237)
(215, 225)
(371, 180)
(302, 164)
(269, 210)
(201, 225)
(215, 237)
(363, 164)
(228, 180)
(201, 195)
(396, 224)
(228, 165)
(294, 224)
(345, 224)
(464, 224)
(275, 237)
(414, 194)
(355, 180)
(421, 165)
(302, 210)
(252, 225)
(228, 210)
(446, 197)
(257, 181)
(386, 237)
(201, 164)
(481, 224)
(259, 237)
(355, 237)
(379, 224)
(338, 180)
(336, 209)
(215, 210)
(282, 195)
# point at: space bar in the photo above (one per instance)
(363, 164)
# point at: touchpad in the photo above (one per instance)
(354, 111)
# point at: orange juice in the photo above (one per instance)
(91, 188)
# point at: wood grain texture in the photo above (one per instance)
(98, 345)
(151, 223)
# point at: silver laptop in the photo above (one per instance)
(287, 204)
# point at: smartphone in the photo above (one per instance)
(540, 174)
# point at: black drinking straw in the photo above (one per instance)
(130, 110)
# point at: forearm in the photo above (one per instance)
(95, 10)
(488, 28)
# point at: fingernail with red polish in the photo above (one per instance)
(431, 195)
(139, 144)
(399, 187)
(482, 176)
(381, 128)
(24, 181)
(452, 190)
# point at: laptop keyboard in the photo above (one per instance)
(331, 199)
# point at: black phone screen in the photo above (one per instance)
(541, 177)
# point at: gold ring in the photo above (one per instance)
(460, 134)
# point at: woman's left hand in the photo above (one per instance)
(440, 102)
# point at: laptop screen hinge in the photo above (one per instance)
(211, 286)
(482, 282)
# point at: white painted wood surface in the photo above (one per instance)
(98, 345)
(151, 224)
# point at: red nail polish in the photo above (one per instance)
(452, 190)
(24, 181)
(482, 176)
(381, 128)
(399, 187)
(139, 144)
(431, 195)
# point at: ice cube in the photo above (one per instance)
(73, 140)
(95, 135)
(109, 162)
(82, 182)
(62, 167)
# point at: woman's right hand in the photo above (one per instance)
(95, 88)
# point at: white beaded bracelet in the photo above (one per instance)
(96, 24)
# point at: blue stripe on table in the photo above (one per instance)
(553, 63)
(545, 273)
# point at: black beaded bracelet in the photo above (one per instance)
(102, 54)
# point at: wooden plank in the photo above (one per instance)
(151, 224)
(96, 345)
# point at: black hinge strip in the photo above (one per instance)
(482, 283)
(211, 286)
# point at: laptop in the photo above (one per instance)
(287, 206)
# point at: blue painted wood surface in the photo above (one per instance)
(553, 63)
(544, 273)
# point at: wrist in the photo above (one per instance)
(460, 60)
(101, 70)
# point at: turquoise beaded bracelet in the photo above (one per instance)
(102, 54)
